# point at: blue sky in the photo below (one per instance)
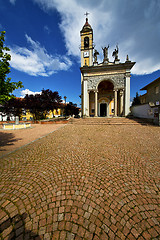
(44, 38)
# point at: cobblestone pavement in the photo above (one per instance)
(10, 140)
(83, 182)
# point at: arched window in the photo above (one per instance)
(86, 42)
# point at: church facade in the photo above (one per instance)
(105, 87)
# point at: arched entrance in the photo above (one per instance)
(103, 107)
(105, 99)
(103, 110)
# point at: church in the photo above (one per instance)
(105, 87)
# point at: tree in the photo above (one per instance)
(71, 109)
(33, 103)
(40, 104)
(136, 100)
(50, 100)
(6, 86)
(14, 106)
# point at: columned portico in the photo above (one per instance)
(104, 101)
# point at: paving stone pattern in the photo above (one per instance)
(13, 139)
(83, 182)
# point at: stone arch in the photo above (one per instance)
(105, 80)
(105, 92)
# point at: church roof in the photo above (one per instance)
(87, 27)
(107, 67)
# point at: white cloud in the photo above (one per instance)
(134, 25)
(47, 29)
(36, 61)
(29, 92)
(12, 1)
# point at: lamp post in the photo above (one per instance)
(65, 105)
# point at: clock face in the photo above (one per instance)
(86, 54)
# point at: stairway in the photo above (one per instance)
(106, 121)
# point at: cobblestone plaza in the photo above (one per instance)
(92, 181)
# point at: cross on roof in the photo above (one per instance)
(86, 14)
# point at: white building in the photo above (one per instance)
(105, 87)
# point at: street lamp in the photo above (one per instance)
(65, 105)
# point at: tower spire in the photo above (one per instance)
(86, 14)
(86, 44)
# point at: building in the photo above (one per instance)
(150, 103)
(152, 96)
(105, 87)
(27, 116)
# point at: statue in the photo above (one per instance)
(115, 53)
(105, 53)
(95, 55)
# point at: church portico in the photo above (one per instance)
(106, 85)
(105, 102)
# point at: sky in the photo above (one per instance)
(44, 39)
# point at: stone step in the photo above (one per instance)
(107, 121)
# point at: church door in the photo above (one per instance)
(103, 109)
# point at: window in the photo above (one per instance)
(86, 42)
(157, 90)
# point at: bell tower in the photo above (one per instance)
(86, 44)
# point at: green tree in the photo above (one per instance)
(71, 109)
(136, 100)
(33, 103)
(6, 86)
(50, 100)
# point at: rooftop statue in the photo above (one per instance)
(95, 55)
(115, 53)
(105, 53)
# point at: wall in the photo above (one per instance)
(144, 111)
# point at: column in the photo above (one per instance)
(88, 113)
(115, 102)
(121, 102)
(127, 93)
(95, 106)
(85, 98)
